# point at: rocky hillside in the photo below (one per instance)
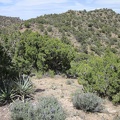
(9, 24)
(91, 32)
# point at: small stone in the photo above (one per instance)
(111, 111)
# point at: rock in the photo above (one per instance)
(111, 111)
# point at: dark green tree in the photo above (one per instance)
(42, 53)
(6, 66)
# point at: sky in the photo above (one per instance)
(26, 9)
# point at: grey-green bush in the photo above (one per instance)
(21, 111)
(49, 108)
(87, 102)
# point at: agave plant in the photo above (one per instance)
(24, 87)
(7, 92)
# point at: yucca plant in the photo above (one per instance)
(24, 87)
(7, 92)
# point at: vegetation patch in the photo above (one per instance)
(47, 108)
(99, 75)
(87, 102)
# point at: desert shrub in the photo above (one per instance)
(49, 108)
(69, 82)
(65, 40)
(114, 50)
(39, 74)
(74, 70)
(7, 70)
(41, 53)
(8, 74)
(41, 21)
(45, 32)
(21, 111)
(27, 24)
(101, 75)
(116, 98)
(41, 27)
(51, 73)
(87, 102)
(49, 29)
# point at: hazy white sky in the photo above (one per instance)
(26, 9)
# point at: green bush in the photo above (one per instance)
(41, 53)
(101, 75)
(116, 98)
(39, 74)
(87, 102)
(8, 74)
(27, 24)
(51, 73)
(7, 70)
(49, 29)
(41, 27)
(74, 71)
(49, 108)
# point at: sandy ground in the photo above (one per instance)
(62, 89)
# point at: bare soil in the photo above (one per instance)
(63, 89)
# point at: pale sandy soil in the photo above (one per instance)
(59, 88)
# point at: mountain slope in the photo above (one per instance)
(90, 32)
